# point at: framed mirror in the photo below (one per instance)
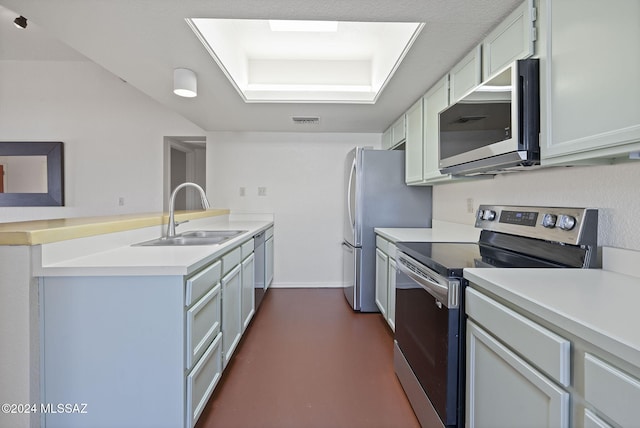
(31, 174)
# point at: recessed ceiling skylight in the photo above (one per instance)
(306, 61)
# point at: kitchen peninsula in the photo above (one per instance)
(155, 299)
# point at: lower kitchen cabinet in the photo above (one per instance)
(231, 312)
(386, 280)
(143, 351)
(503, 390)
(268, 257)
(248, 292)
(382, 281)
(521, 367)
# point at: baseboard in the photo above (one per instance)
(305, 285)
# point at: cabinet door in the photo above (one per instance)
(268, 262)
(436, 100)
(386, 139)
(589, 89)
(413, 144)
(398, 131)
(391, 300)
(382, 281)
(231, 312)
(248, 295)
(465, 75)
(502, 390)
(511, 40)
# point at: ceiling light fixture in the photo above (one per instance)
(306, 26)
(20, 22)
(185, 83)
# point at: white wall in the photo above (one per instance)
(613, 189)
(113, 135)
(304, 177)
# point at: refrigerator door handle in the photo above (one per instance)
(349, 200)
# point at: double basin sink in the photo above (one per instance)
(196, 237)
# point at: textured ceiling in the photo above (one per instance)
(142, 41)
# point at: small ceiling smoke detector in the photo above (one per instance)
(306, 120)
(20, 22)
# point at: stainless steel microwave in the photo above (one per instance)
(496, 127)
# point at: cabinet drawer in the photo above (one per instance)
(200, 283)
(203, 324)
(382, 244)
(231, 260)
(545, 349)
(247, 249)
(268, 233)
(203, 379)
(613, 392)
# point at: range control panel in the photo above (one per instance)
(576, 226)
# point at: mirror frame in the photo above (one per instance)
(54, 151)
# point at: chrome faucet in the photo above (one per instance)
(171, 227)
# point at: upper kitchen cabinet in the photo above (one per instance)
(511, 40)
(466, 75)
(589, 81)
(395, 135)
(414, 145)
(386, 139)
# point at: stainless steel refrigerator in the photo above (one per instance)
(375, 196)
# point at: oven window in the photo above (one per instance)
(428, 338)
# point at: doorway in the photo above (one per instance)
(184, 160)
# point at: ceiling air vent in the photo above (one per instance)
(306, 120)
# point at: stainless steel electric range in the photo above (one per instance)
(430, 321)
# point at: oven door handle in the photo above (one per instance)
(444, 294)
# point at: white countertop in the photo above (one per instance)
(439, 231)
(124, 259)
(597, 305)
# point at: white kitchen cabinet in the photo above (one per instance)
(600, 379)
(398, 131)
(391, 300)
(511, 40)
(386, 139)
(382, 281)
(386, 279)
(248, 292)
(231, 312)
(414, 145)
(589, 81)
(465, 75)
(132, 343)
(504, 390)
(268, 257)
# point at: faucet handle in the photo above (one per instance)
(178, 223)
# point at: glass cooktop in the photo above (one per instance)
(450, 258)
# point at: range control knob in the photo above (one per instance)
(566, 222)
(489, 215)
(480, 214)
(549, 220)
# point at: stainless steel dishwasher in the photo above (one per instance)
(258, 254)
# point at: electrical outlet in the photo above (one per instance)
(121, 201)
(262, 191)
(470, 205)
(243, 191)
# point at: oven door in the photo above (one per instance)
(428, 338)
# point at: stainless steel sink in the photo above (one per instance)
(212, 233)
(196, 237)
